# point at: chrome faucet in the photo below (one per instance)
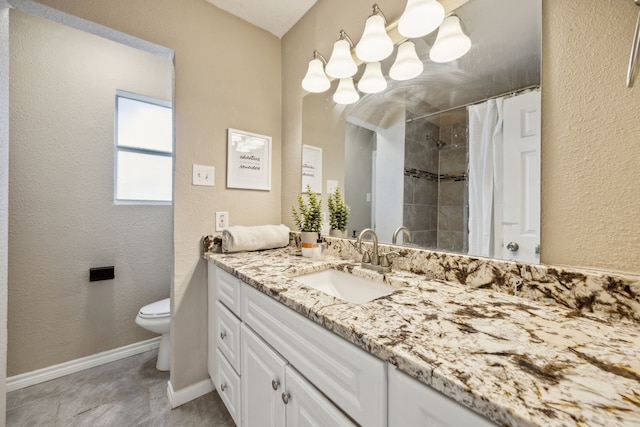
(407, 234)
(374, 259)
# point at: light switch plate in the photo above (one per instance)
(222, 220)
(203, 175)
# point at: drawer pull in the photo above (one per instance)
(286, 397)
(275, 384)
(223, 387)
(223, 335)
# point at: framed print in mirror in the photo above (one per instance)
(311, 168)
(248, 160)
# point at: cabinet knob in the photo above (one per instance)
(223, 386)
(286, 397)
(275, 384)
(223, 335)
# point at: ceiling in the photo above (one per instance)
(275, 16)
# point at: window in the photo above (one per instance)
(144, 149)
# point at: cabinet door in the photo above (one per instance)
(307, 407)
(263, 373)
(413, 404)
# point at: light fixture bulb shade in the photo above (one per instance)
(346, 92)
(315, 81)
(375, 44)
(341, 64)
(451, 42)
(372, 80)
(420, 17)
(407, 64)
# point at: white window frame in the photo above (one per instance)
(160, 153)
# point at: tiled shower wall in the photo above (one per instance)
(435, 185)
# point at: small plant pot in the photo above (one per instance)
(309, 243)
(338, 233)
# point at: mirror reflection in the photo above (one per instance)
(453, 155)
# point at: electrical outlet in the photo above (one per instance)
(222, 220)
(203, 175)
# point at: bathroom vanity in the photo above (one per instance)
(282, 353)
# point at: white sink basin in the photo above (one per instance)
(345, 286)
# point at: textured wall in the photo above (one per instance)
(227, 74)
(62, 218)
(4, 202)
(590, 148)
(590, 136)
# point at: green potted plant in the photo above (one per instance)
(338, 214)
(308, 219)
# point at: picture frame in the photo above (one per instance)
(248, 160)
(311, 168)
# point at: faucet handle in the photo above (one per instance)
(384, 259)
(366, 258)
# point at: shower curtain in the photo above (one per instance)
(485, 159)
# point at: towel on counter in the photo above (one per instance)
(241, 238)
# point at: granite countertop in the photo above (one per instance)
(516, 361)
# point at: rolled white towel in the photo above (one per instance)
(241, 238)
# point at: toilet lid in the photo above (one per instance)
(156, 309)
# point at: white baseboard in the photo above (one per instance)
(56, 371)
(187, 394)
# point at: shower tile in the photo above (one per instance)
(420, 218)
(453, 160)
(451, 218)
(408, 189)
(452, 193)
(450, 241)
(427, 239)
(425, 192)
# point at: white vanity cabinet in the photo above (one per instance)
(275, 395)
(413, 404)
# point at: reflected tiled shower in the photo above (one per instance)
(435, 183)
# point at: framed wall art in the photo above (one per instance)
(311, 168)
(248, 160)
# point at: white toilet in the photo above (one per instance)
(156, 317)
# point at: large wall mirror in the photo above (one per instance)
(453, 154)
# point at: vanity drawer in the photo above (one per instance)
(228, 335)
(353, 379)
(228, 290)
(228, 385)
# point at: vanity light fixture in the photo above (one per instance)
(341, 64)
(346, 92)
(407, 64)
(372, 81)
(316, 81)
(451, 42)
(375, 44)
(420, 17)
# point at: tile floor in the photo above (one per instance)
(127, 392)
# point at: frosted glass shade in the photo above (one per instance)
(341, 64)
(451, 42)
(346, 92)
(372, 80)
(315, 81)
(407, 64)
(420, 17)
(375, 44)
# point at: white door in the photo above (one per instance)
(521, 169)
(307, 407)
(263, 376)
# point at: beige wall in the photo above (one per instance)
(4, 202)
(590, 148)
(62, 219)
(227, 74)
(591, 136)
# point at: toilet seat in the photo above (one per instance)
(156, 309)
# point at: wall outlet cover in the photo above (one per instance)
(222, 220)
